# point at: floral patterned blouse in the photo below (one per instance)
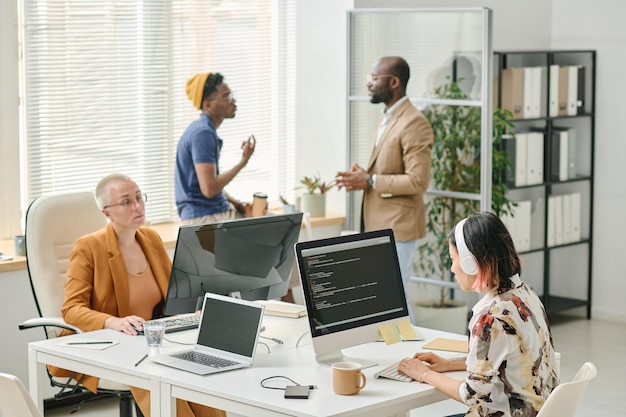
(511, 361)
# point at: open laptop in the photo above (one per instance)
(227, 337)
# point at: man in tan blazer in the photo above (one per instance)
(398, 171)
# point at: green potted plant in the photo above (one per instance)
(287, 206)
(456, 167)
(314, 199)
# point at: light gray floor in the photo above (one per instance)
(578, 340)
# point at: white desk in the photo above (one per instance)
(239, 391)
(116, 363)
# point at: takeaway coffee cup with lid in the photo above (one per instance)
(259, 204)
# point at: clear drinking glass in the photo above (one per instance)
(154, 331)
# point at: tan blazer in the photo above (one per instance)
(97, 286)
(97, 289)
(401, 163)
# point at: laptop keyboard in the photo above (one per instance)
(391, 372)
(181, 322)
(204, 359)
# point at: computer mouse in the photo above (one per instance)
(138, 330)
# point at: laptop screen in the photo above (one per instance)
(230, 325)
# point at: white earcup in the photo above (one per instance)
(467, 261)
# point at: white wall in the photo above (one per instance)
(321, 87)
(9, 131)
(581, 24)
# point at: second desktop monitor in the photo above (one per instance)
(250, 258)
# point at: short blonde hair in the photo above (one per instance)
(103, 192)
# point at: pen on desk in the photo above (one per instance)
(89, 343)
(142, 359)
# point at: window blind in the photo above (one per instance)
(103, 90)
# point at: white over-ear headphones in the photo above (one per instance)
(467, 261)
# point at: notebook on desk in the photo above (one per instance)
(227, 337)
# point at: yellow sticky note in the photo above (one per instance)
(406, 330)
(389, 333)
(452, 345)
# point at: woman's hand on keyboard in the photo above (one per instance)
(414, 368)
(439, 364)
(433, 361)
(128, 324)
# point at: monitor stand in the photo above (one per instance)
(329, 358)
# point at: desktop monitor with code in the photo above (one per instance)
(352, 285)
(248, 258)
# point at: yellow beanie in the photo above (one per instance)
(195, 88)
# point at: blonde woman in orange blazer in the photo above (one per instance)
(118, 278)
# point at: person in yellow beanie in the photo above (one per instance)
(198, 181)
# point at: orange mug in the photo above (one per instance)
(348, 379)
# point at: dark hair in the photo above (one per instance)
(490, 242)
(211, 84)
(400, 68)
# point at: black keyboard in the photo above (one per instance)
(204, 359)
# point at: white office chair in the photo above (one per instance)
(565, 399)
(14, 399)
(53, 223)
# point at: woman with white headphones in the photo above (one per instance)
(511, 365)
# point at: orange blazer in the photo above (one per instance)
(97, 286)
(401, 163)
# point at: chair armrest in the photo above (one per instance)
(48, 322)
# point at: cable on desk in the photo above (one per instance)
(266, 345)
(177, 342)
(283, 377)
(300, 338)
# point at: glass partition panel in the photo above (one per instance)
(434, 43)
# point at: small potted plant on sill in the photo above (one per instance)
(287, 206)
(314, 199)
